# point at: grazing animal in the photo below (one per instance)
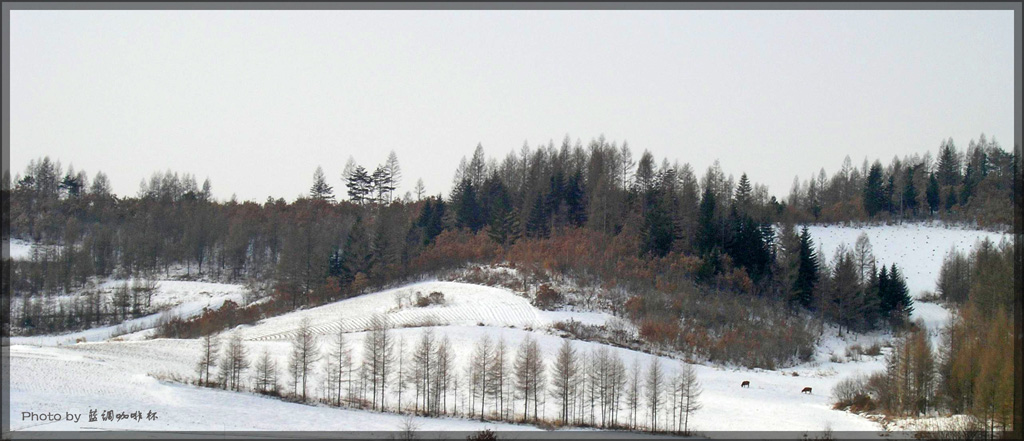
(745, 384)
(806, 390)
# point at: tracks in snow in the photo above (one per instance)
(465, 305)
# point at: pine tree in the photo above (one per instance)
(932, 194)
(320, 190)
(382, 185)
(948, 169)
(537, 225)
(895, 303)
(467, 209)
(874, 196)
(575, 200)
(807, 271)
(742, 198)
(706, 234)
(910, 192)
(360, 185)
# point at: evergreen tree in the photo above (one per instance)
(873, 193)
(910, 192)
(743, 194)
(495, 205)
(320, 190)
(537, 223)
(575, 201)
(467, 208)
(932, 194)
(431, 219)
(749, 244)
(706, 233)
(807, 271)
(888, 193)
(948, 169)
(658, 233)
(951, 199)
(381, 184)
(895, 303)
(360, 185)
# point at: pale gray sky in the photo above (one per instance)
(255, 100)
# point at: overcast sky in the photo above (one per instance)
(256, 100)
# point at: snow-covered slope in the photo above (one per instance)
(21, 249)
(116, 376)
(122, 375)
(44, 378)
(464, 304)
(916, 248)
(174, 298)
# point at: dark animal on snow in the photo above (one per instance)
(806, 390)
(745, 384)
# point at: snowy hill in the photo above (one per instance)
(916, 248)
(131, 374)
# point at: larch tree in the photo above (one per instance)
(563, 377)
(635, 389)
(341, 359)
(419, 189)
(394, 171)
(481, 361)
(305, 352)
(266, 373)
(423, 362)
(689, 393)
(655, 381)
(499, 375)
(208, 357)
(444, 364)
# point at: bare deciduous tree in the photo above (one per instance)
(305, 352)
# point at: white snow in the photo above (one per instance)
(175, 298)
(123, 375)
(18, 249)
(464, 304)
(916, 248)
(117, 376)
(52, 378)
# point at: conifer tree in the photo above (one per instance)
(874, 195)
(807, 271)
(321, 190)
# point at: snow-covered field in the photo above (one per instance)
(464, 304)
(18, 249)
(173, 298)
(127, 375)
(51, 378)
(120, 376)
(916, 248)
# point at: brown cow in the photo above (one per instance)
(806, 390)
(745, 384)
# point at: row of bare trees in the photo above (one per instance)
(497, 382)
